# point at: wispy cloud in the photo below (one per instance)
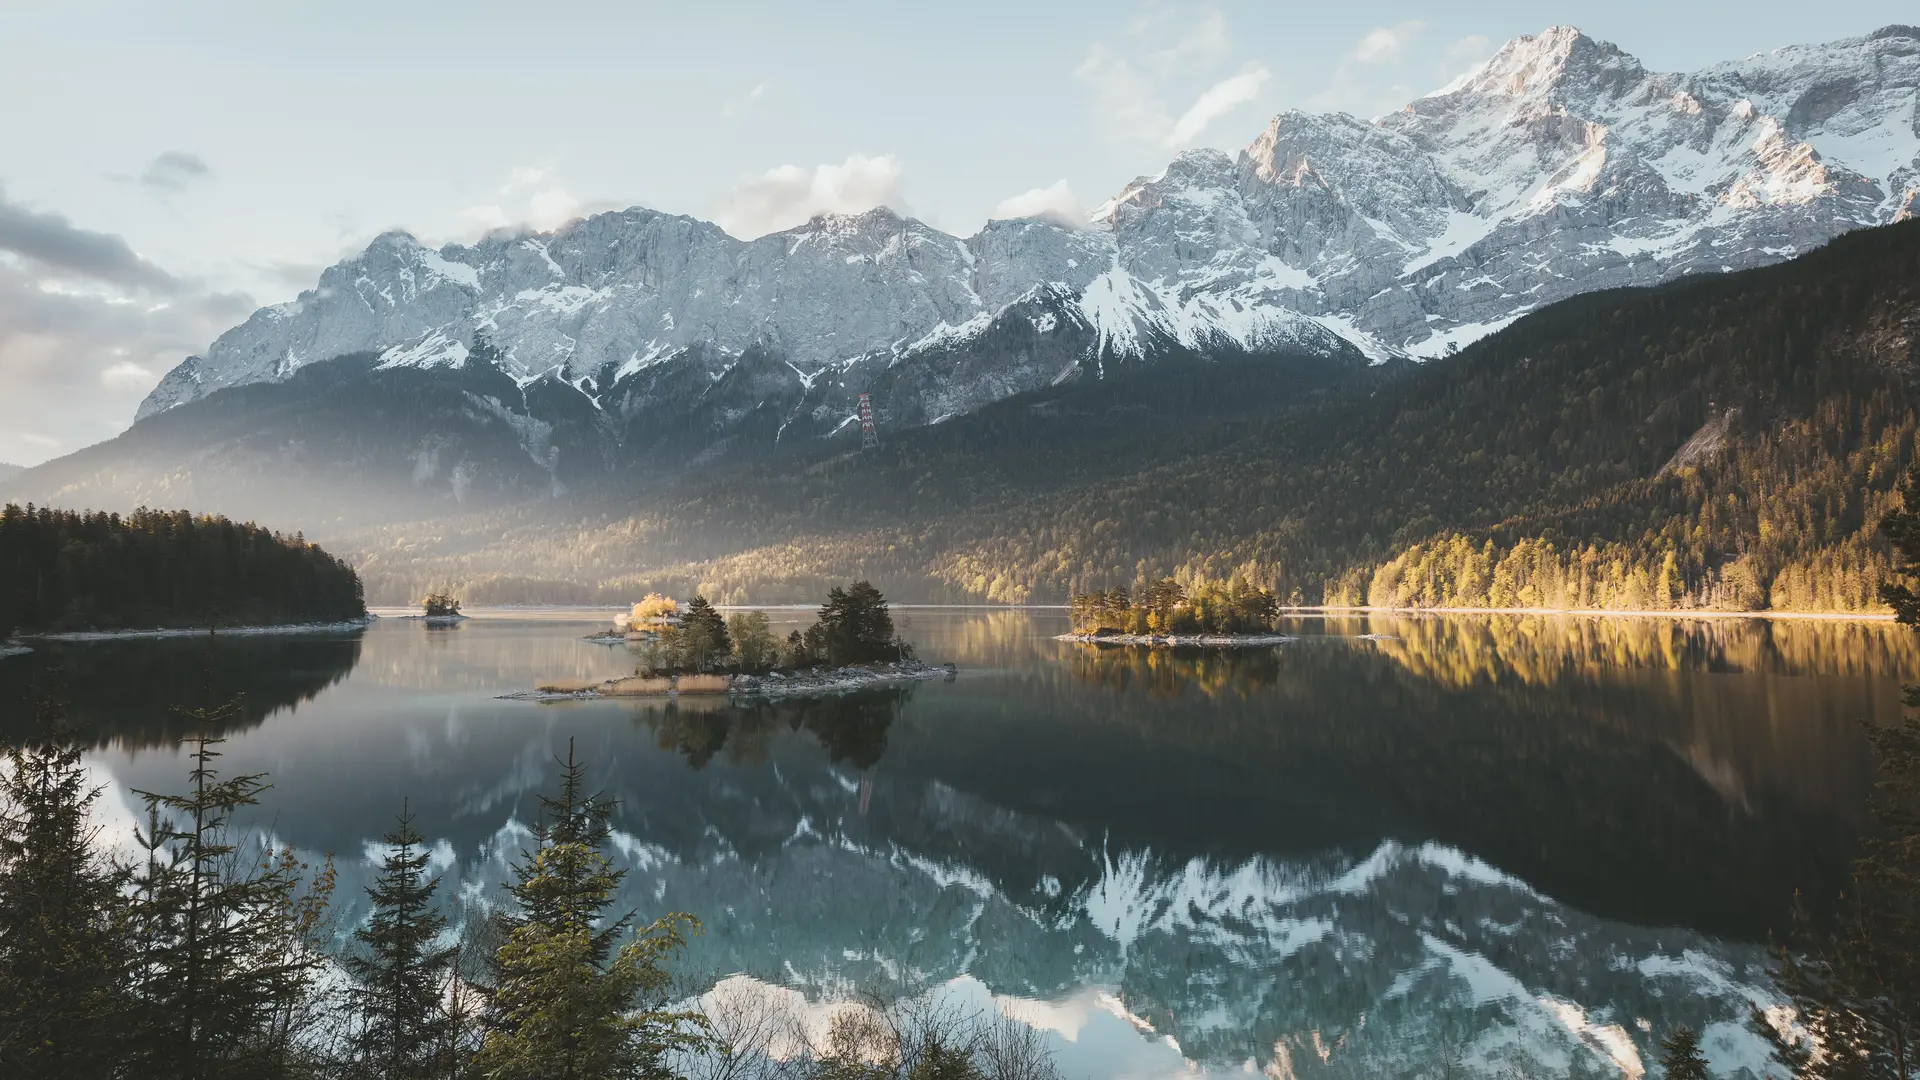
(740, 104)
(1215, 102)
(789, 195)
(1371, 77)
(1387, 44)
(1463, 55)
(175, 170)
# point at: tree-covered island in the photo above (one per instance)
(695, 649)
(1168, 612)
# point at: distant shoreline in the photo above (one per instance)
(1692, 613)
(509, 611)
(218, 631)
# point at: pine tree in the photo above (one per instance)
(401, 974)
(225, 972)
(856, 627)
(1680, 1057)
(704, 634)
(62, 925)
(571, 1002)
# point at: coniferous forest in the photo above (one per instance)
(61, 571)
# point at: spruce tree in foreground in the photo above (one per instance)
(62, 935)
(227, 933)
(1680, 1057)
(578, 995)
(402, 974)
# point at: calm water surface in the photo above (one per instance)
(1534, 844)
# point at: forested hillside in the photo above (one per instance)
(61, 570)
(1728, 442)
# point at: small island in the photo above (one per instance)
(1168, 613)
(439, 609)
(694, 650)
(84, 575)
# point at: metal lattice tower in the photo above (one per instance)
(868, 437)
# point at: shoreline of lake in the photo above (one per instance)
(772, 686)
(1682, 613)
(343, 626)
(1163, 641)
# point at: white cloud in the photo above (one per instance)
(533, 196)
(126, 373)
(739, 104)
(551, 206)
(789, 195)
(1218, 100)
(1056, 201)
(1387, 44)
(524, 177)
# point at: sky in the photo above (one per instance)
(167, 168)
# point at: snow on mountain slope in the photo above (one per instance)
(1559, 166)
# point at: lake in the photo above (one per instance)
(1529, 844)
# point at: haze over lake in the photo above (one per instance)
(1523, 840)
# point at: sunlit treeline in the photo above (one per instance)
(1454, 572)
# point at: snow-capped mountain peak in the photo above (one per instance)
(1540, 68)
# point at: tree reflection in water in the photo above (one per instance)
(1658, 771)
(851, 728)
(129, 693)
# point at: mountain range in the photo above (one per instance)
(1560, 165)
(588, 371)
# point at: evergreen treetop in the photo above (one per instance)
(400, 969)
(572, 1001)
(1680, 1056)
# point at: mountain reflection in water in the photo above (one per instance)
(1514, 838)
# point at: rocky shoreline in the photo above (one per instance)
(772, 686)
(435, 620)
(1175, 640)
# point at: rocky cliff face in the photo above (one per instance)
(1559, 166)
